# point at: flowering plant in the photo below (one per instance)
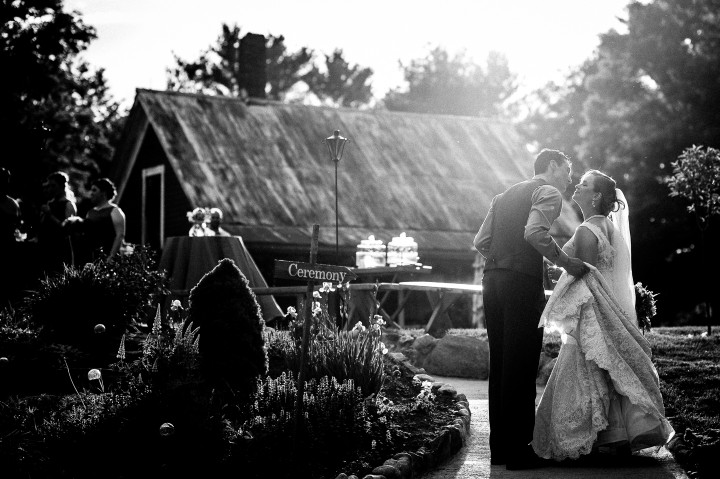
(645, 307)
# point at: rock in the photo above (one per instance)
(544, 373)
(424, 377)
(404, 465)
(459, 356)
(447, 390)
(387, 470)
(405, 340)
(424, 344)
(400, 357)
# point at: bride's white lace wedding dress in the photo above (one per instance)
(604, 390)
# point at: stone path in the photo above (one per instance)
(473, 460)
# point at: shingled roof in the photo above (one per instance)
(264, 164)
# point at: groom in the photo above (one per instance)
(514, 238)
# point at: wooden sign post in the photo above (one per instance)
(312, 273)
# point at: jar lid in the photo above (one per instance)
(371, 241)
(403, 240)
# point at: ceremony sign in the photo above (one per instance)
(313, 272)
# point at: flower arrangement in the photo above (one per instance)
(199, 217)
(645, 307)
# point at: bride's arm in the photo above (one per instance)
(586, 245)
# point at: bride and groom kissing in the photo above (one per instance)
(603, 394)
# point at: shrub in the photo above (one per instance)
(69, 305)
(231, 344)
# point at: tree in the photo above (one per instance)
(555, 112)
(650, 93)
(220, 71)
(454, 85)
(340, 82)
(55, 110)
(696, 178)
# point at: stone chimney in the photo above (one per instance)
(252, 60)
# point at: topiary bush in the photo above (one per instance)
(225, 310)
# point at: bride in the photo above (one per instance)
(603, 393)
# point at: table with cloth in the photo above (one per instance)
(187, 259)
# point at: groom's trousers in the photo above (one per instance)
(513, 303)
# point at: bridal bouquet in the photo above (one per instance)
(644, 306)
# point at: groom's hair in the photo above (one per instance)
(542, 161)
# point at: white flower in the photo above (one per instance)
(94, 374)
(291, 311)
(316, 295)
(327, 287)
(175, 305)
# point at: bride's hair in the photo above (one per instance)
(606, 186)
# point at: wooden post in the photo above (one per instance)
(307, 321)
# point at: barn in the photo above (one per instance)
(265, 166)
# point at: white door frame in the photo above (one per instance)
(146, 173)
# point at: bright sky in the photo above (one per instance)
(541, 39)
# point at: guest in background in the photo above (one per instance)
(54, 240)
(104, 224)
(216, 216)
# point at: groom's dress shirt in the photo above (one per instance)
(545, 209)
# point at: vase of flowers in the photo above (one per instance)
(645, 307)
(199, 218)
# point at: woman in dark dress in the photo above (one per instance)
(104, 224)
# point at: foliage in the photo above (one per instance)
(56, 113)
(645, 307)
(225, 309)
(554, 116)
(341, 83)
(170, 355)
(338, 423)
(115, 294)
(696, 178)
(220, 71)
(639, 100)
(454, 85)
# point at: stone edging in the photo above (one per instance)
(406, 465)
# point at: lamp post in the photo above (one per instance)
(336, 146)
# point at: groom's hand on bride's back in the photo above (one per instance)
(576, 267)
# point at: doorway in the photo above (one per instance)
(153, 207)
